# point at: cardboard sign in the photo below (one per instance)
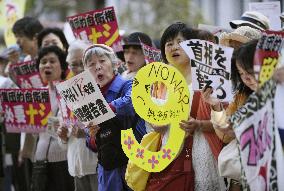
(211, 67)
(84, 98)
(26, 110)
(98, 27)
(172, 112)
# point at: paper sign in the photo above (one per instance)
(27, 75)
(172, 112)
(267, 54)
(26, 110)
(272, 10)
(258, 139)
(98, 27)
(210, 67)
(84, 98)
(51, 123)
(151, 54)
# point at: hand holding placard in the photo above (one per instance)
(171, 113)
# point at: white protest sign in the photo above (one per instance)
(271, 10)
(258, 138)
(83, 97)
(210, 66)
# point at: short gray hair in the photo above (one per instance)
(77, 45)
(100, 51)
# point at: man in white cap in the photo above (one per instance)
(252, 19)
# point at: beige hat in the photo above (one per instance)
(253, 19)
(242, 34)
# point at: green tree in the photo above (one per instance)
(153, 17)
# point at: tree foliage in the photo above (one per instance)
(153, 17)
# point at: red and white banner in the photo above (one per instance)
(26, 110)
(98, 27)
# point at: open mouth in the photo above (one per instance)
(100, 76)
(129, 63)
(47, 72)
(175, 55)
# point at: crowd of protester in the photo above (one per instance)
(89, 158)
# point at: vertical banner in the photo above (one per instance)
(11, 11)
(27, 75)
(26, 110)
(266, 54)
(258, 139)
(84, 98)
(98, 27)
(211, 67)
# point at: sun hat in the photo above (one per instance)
(253, 19)
(242, 34)
(135, 38)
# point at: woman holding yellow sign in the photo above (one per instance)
(195, 159)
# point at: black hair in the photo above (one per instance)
(27, 26)
(206, 35)
(59, 53)
(173, 31)
(134, 39)
(244, 56)
(58, 32)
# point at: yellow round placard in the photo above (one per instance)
(175, 109)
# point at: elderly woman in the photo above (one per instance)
(105, 137)
(52, 66)
(75, 54)
(81, 161)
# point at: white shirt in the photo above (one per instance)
(6, 83)
(128, 75)
(81, 160)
